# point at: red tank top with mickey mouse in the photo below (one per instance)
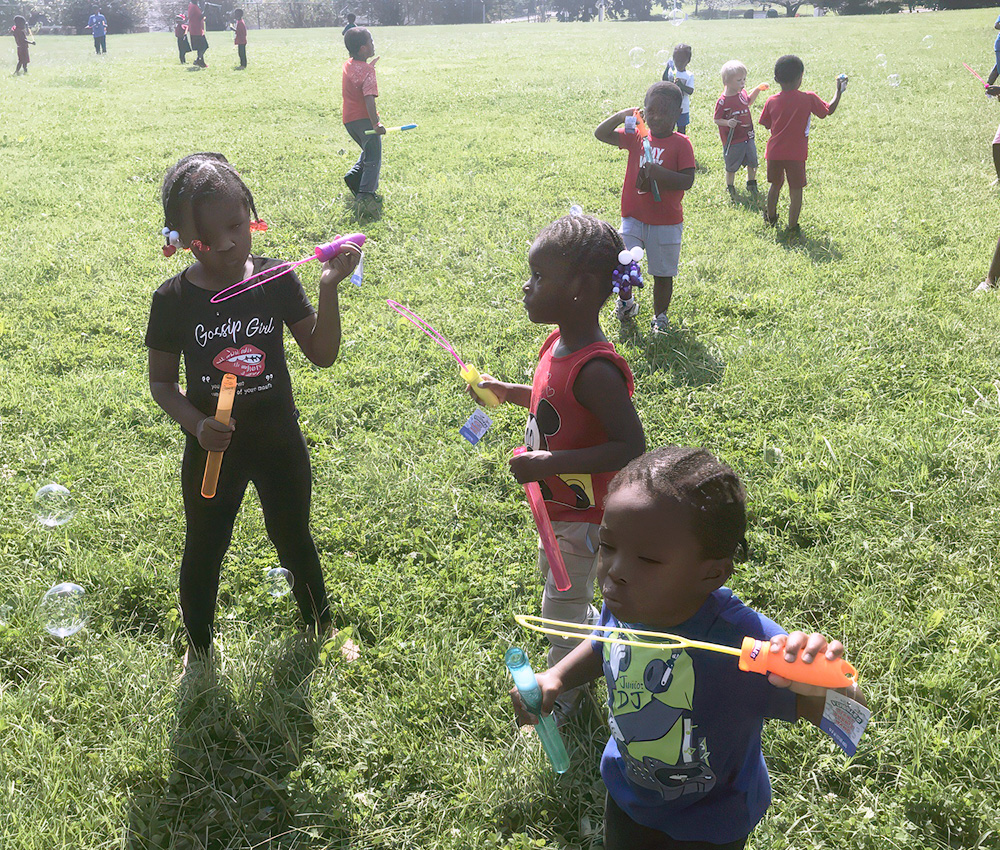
(558, 422)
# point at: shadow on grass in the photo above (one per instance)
(819, 248)
(229, 767)
(678, 351)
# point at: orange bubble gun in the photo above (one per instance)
(754, 655)
(213, 464)
(642, 131)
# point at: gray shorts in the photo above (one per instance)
(661, 242)
(740, 154)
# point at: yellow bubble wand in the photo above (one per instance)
(754, 655)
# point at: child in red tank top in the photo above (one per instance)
(582, 426)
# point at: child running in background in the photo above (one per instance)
(20, 32)
(210, 208)
(732, 115)
(180, 33)
(788, 115)
(582, 426)
(655, 226)
(240, 39)
(677, 72)
(683, 767)
(359, 88)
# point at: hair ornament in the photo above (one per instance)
(173, 241)
(198, 245)
(627, 274)
(258, 225)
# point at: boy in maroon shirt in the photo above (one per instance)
(788, 116)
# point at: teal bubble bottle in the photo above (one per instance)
(531, 696)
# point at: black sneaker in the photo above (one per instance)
(752, 187)
(770, 222)
(353, 182)
(793, 232)
(732, 193)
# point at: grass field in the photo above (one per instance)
(857, 351)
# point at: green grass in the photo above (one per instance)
(857, 351)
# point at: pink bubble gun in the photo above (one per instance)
(545, 533)
(323, 253)
(468, 372)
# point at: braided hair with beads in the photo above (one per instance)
(587, 244)
(709, 488)
(196, 178)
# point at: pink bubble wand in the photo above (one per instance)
(468, 372)
(557, 566)
(323, 253)
(972, 71)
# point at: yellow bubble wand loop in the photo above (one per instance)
(754, 655)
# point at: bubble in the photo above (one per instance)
(575, 209)
(677, 16)
(927, 42)
(63, 609)
(279, 581)
(637, 56)
(881, 61)
(341, 152)
(773, 455)
(663, 56)
(6, 612)
(894, 80)
(54, 505)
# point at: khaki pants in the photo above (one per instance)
(578, 542)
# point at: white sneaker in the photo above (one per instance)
(660, 324)
(983, 288)
(625, 310)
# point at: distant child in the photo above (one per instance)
(196, 28)
(180, 33)
(241, 36)
(683, 767)
(677, 72)
(20, 32)
(98, 25)
(351, 18)
(788, 115)
(210, 210)
(582, 426)
(732, 114)
(655, 226)
(359, 88)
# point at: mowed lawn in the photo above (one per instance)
(849, 377)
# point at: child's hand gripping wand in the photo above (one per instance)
(545, 533)
(531, 696)
(323, 253)
(643, 132)
(754, 655)
(393, 129)
(213, 464)
(468, 372)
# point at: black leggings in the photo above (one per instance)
(277, 462)
(623, 833)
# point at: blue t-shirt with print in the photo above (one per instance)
(99, 24)
(685, 751)
(996, 44)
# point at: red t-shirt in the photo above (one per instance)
(196, 20)
(673, 152)
(358, 81)
(558, 422)
(241, 32)
(180, 30)
(787, 115)
(735, 106)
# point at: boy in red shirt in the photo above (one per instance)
(240, 40)
(655, 226)
(732, 115)
(359, 89)
(196, 29)
(788, 115)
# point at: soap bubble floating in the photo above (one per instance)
(677, 16)
(637, 56)
(894, 80)
(279, 581)
(63, 609)
(664, 56)
(927, 42)
(773, 455)
(575, 209)
(881, 61)
(54, 505)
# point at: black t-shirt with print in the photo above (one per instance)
(242, 335)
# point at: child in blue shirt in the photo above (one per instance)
(683, 767)
(98, 25)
